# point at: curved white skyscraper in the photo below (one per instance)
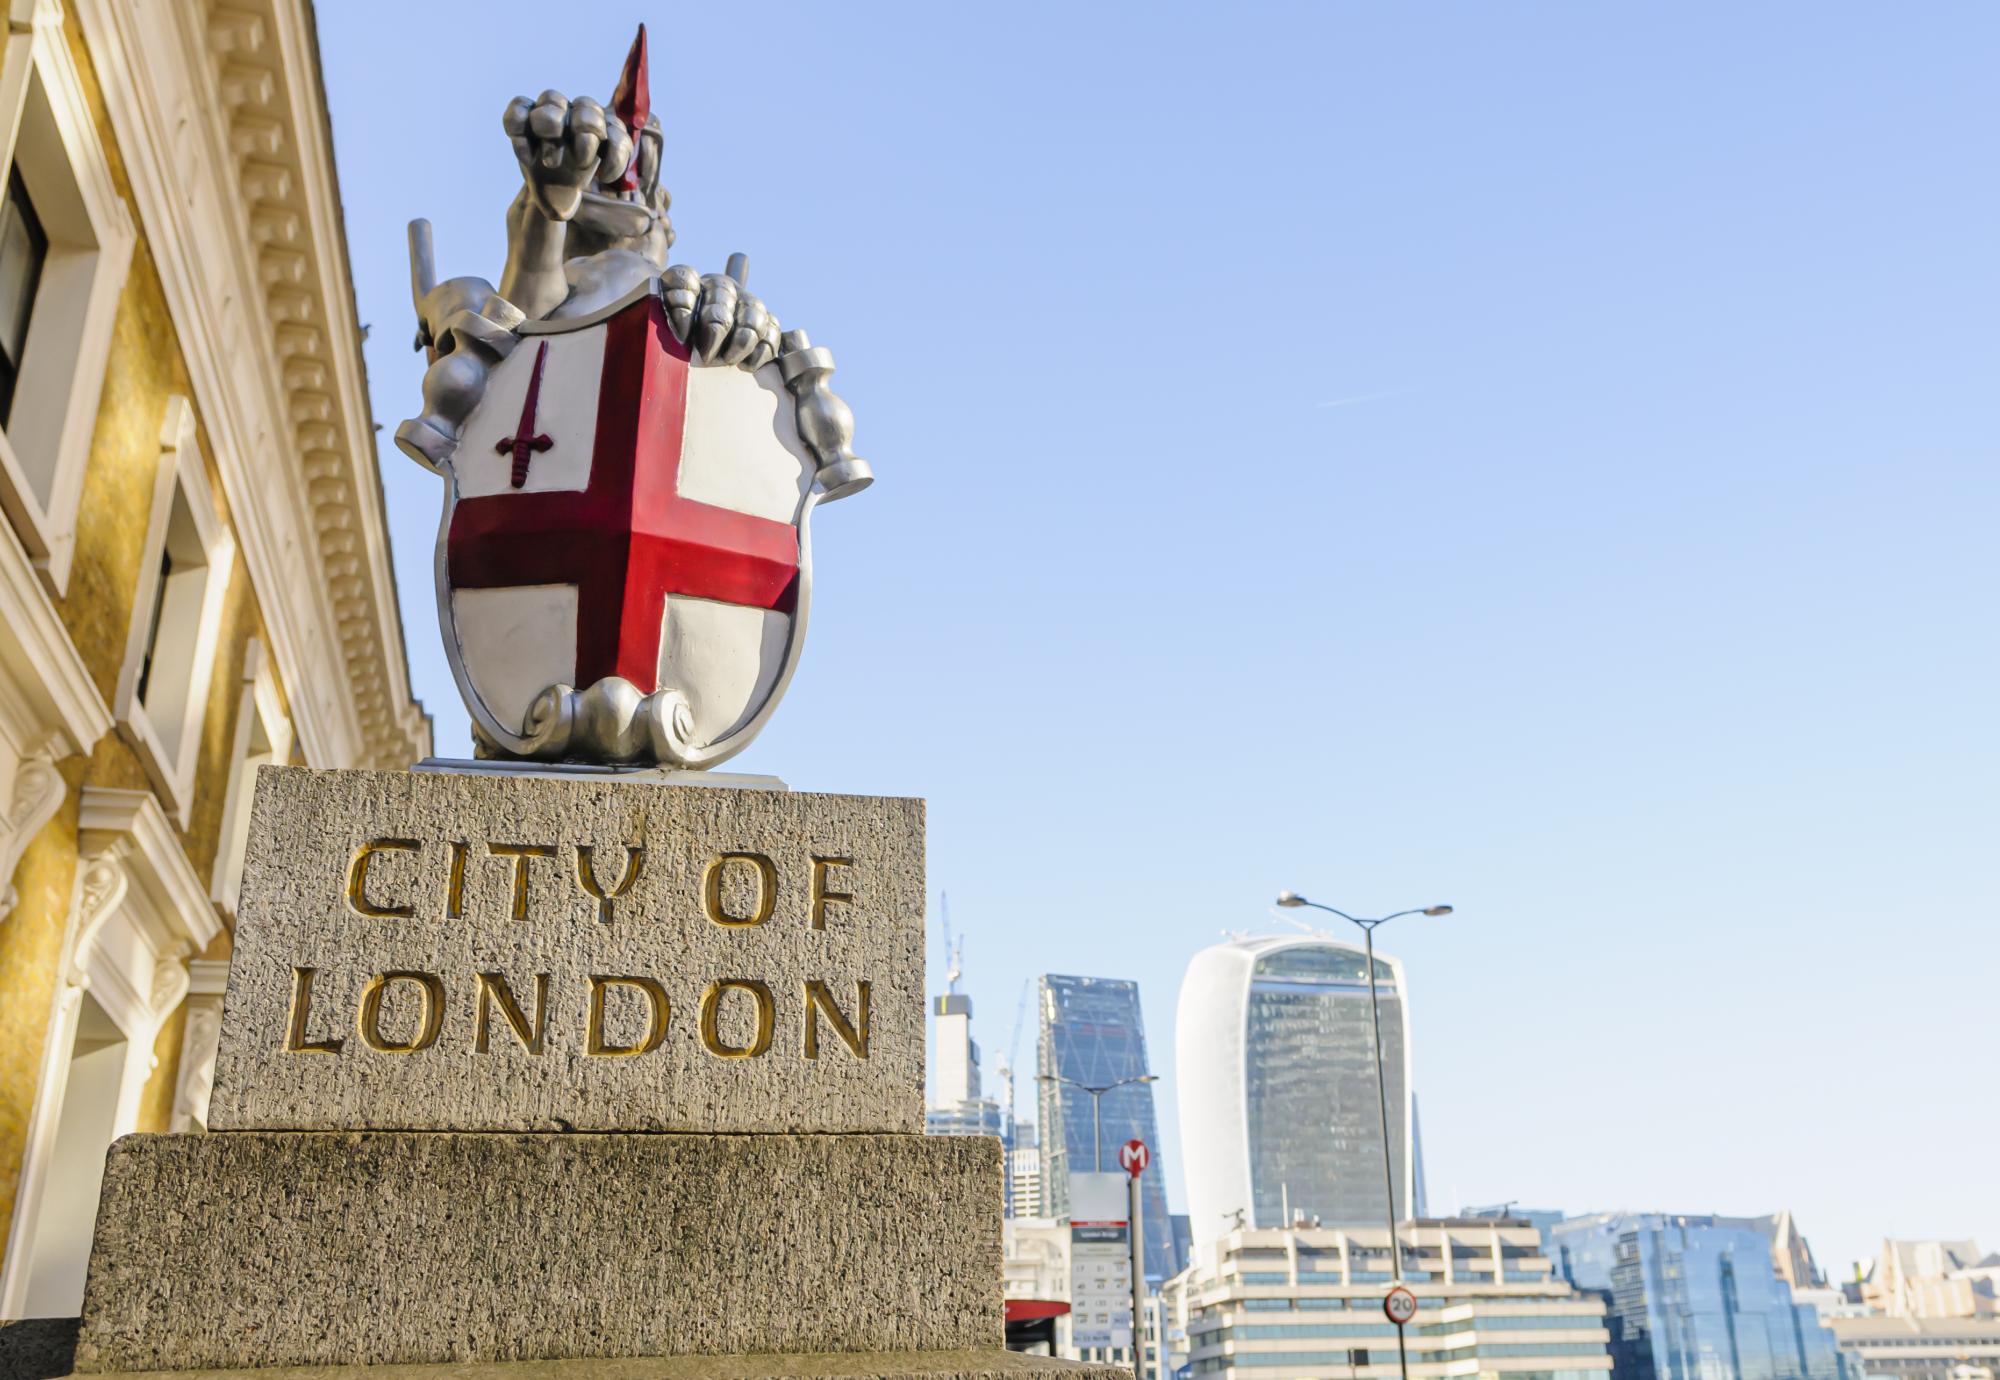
(1276, 1067)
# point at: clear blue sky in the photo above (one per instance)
(1539, 457)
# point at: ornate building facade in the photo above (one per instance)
(194, 567)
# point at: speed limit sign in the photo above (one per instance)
(1400, 1305)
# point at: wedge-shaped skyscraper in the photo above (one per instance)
(1278, 1106)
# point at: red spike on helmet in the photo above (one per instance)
(632, 103)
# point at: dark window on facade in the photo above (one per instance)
(24, 247)
(153, 623)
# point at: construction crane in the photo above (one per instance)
(1013, 1055)
(954, 954)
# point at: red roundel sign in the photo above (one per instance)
(1400, 1305)
(1134, 1155)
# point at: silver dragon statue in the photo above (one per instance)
(589, 224)
(680, 684)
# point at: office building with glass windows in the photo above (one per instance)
(1275, 1056)
(1306, 1304)
(1695, 1298)
(1093, 1035)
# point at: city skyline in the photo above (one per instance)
(1787, 1241)
(1631, 599)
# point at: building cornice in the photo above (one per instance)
(132, 826)
(219, 113)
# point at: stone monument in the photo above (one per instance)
(579, 1059)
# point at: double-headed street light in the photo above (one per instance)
(1134, 1229)
(1096, 1105)
(1292, 900)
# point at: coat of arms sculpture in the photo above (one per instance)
(631, 451)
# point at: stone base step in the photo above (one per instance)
(42, 1341)
(253, 1248)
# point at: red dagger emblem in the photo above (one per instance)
(523, 444)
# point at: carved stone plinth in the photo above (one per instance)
(482, 1040)
(423, 951)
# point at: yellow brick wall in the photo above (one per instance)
(145, 369)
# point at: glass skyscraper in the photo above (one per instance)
(1092, 1033)
(1279, 1109)
(1694, 1298)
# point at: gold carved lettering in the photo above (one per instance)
(767, 889)
(656, 1030)
(760, 1039)
(357, 879)
(454, 890)
(822, 894)
(295, 1028)
(494, 986)
(586, 877)
(520, 853)
(369, 1019)
(819, 998)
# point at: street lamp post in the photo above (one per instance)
(1292, 900)
(1096, 1103)
(1132, 1228)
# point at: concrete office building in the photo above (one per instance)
(1892, 1348)
(1025, 1197)
(1275, 1057)
(1306, 1304)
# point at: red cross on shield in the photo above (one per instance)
(620, 511)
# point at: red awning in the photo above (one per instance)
(1028, 1310)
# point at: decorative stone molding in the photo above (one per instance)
(38, 793)
(199, 1040)
(220, 115)
(135, 873)
(170, 977)
(100, 891)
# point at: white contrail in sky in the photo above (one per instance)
(1365, 397)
